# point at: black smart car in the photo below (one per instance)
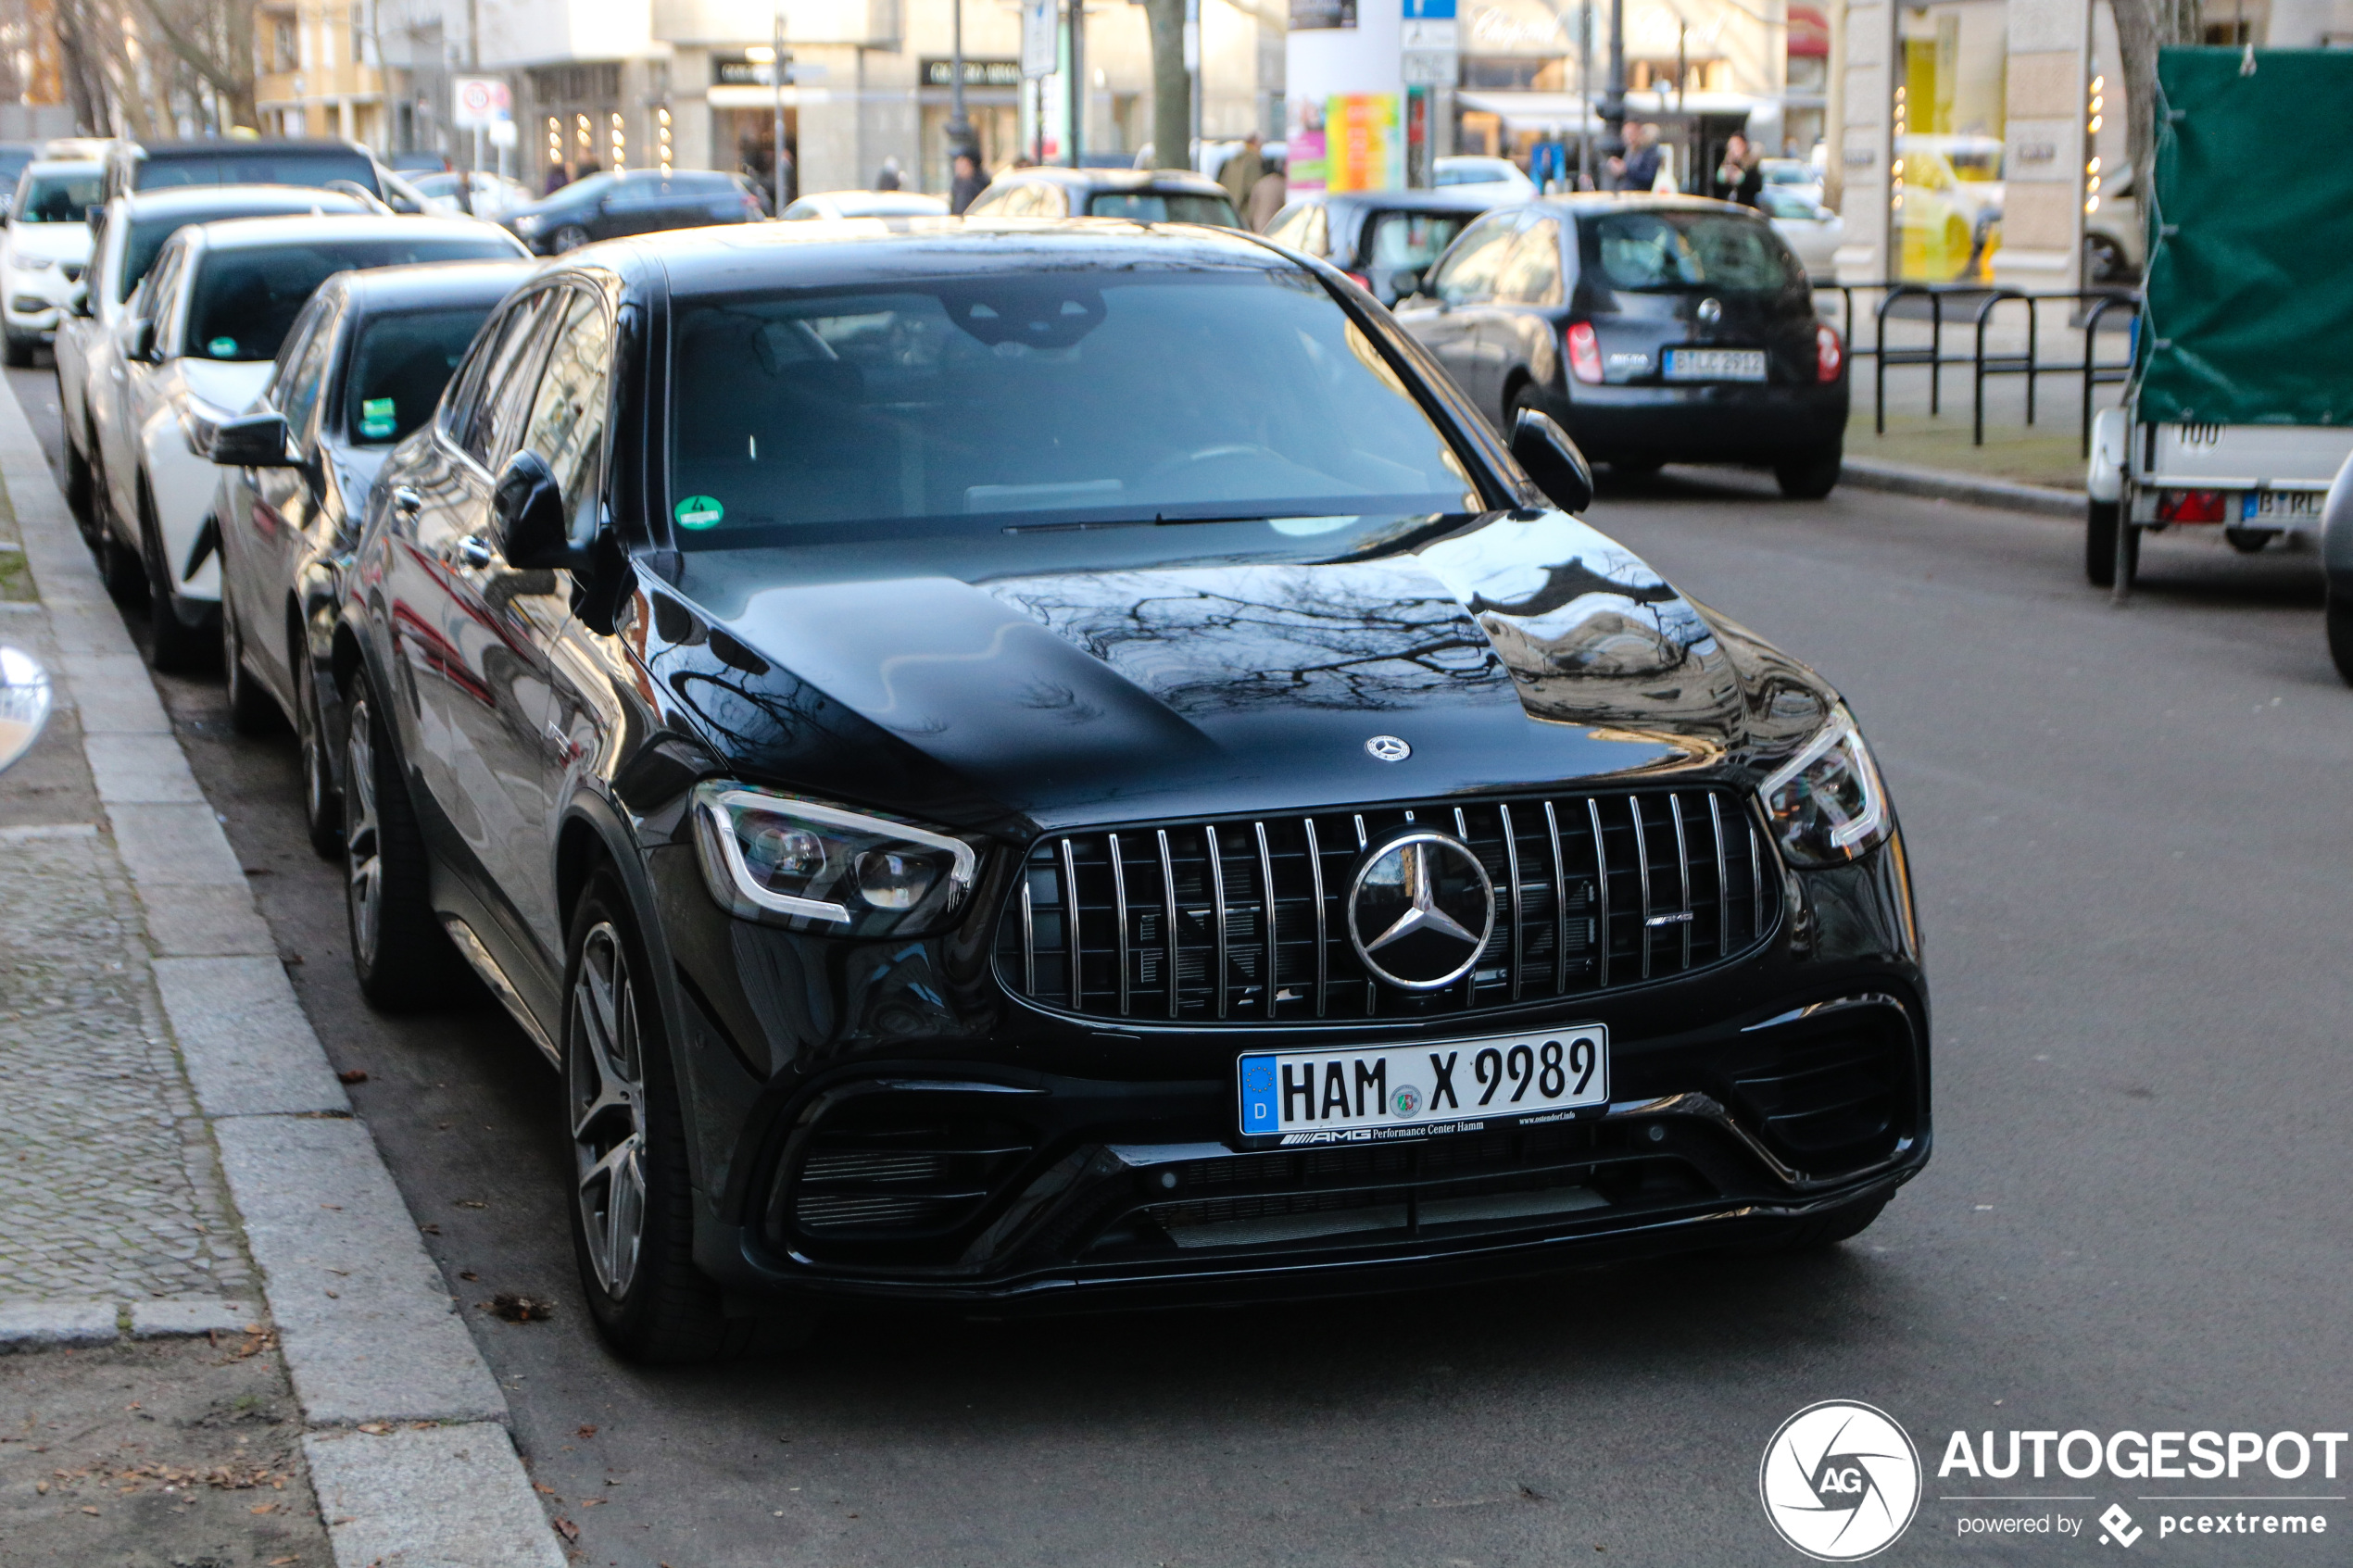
(1656, 329)
(362, 366)
(1058, 765)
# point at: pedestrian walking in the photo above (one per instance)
(1740, 178)
(1638, 169)
(1242, 171)
(889, 178)
(967, 183)
(558, 177)
(1266, 197)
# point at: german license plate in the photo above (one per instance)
(1417, 1091)
(1715, 364)
(2281, 506)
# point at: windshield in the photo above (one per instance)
(400, 366)
(1114, 396)
(245, 299)
(1664, 252)
(58, 198)
(1412, 240)
(1162, 207)
(259, 166)
(144, 243)
(588, 189)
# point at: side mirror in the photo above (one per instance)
(77, 303)
(1404, 283)
(1553, 461)
(251, 440)
(24, 704)
(527, 515)
(142, 346)
(95, 215)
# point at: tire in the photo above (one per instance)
(173, 646)
(252, 711)
(2102, 520)
(79, 488)
(2339, 616)
(322, 800)
(572, 236)
(1812, 477)
(124, 573)
(632, 1211)
(17, 351)
(2249, 541)
(401, 955)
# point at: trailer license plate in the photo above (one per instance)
(2281, 505)
(1715, 364)
(1416, 1091)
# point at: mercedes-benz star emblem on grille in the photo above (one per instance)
(1710, 311)
(1388, 748)
(1419, 910)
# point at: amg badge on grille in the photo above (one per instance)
(1419, 910)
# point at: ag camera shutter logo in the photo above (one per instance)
(1839, 1480)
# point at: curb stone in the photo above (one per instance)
(425, 1497)
(1944, 484)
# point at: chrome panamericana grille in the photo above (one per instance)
(1189, 922)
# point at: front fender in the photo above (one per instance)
(2111, 444)
(2336, 531)
(176, 489)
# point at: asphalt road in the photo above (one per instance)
(2130, 839)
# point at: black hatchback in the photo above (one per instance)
(1656, 329)
(640, 201)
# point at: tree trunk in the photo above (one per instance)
(2143, 27)
(1172, 86)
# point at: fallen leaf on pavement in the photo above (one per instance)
(92, 1511)
(282, 1562)
(468, 1273)
(263, 1508)
(430, 1230)
(352, 1076)
(520, 1309)
(587, 1432)
(594, 1502)
(543, 1487)
(472, 1203)
(374, 1428)
(564, 1528)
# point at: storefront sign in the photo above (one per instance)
(977, 73)
(1364, 142)
(1515, 27)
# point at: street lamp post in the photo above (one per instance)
(959, 129)
(1613, 99)
(777, 80)
(1077, 78)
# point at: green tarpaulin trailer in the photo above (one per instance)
(2240, 409)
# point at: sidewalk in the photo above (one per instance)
(217, 1303)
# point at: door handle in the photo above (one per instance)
(473, 552)
(406, 502)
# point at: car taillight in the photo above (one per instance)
(1361, 281)
(2189, 506)
(1829, 354)
(1584, 352)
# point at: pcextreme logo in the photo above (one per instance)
(1839, 1480)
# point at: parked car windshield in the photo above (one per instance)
(144, 243)
(1163, 207)
(245, 298)
(257, 166)
(399, 368)
(1125, 396)
(1663, 252)
(58, 198)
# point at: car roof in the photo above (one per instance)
(1118, 179)
(221, 147)
(241, 233)
(192, 201)
(1593, 203)
(421, 285)
(64, 166)
(826, 252)
(1445, 198)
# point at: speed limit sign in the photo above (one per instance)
(479, 102)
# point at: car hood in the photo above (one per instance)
(230, 385)
(1513, 652)
(53, 242)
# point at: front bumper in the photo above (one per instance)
(1715, 424)
(1008, 1190)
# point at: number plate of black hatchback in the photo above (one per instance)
(1417, 1091)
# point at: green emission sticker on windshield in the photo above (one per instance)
(221, 348)
(698, 511)
(376, 417)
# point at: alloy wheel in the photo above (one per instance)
(363, 837)
(605, 1076)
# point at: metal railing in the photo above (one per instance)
(1981, 362)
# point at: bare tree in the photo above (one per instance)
(216, 42)
(1172, 85)
(2143, 27)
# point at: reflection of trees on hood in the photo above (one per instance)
(1371, 638)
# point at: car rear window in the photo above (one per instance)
(59, 198)
(246, 298)
(1162, 207)
(401, 363)
(1412, 240)
(1667, 252)
(1120, 395)
(259, 166)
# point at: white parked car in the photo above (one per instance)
(1808, 227)
(194, 346)
(1474, 169)
(494, 194)
(131, 230)
(868, 204)
(43, 251)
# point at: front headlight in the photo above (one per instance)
(1827, 803)
(529, 224)
(35, 263)
(770, 857)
